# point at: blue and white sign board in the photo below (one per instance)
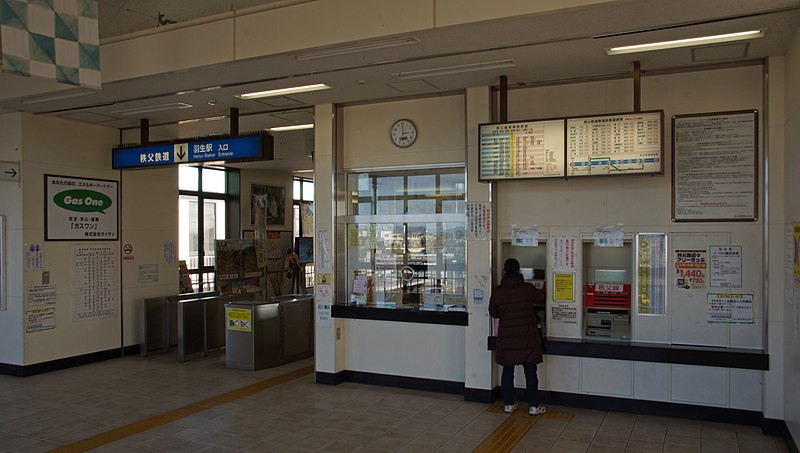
(252, 147)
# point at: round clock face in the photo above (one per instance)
(403, 133)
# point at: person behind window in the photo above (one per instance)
(518, 339)
(293, 270)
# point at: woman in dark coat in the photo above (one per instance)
(518, 338)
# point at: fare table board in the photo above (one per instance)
(615, 144)
(627, 143)
(530, 149)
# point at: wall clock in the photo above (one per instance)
(403, 133)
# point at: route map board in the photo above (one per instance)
(529, 149)
(629, 143)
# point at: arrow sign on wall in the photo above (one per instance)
(9, 171)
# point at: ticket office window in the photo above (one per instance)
(405, 239)
(607, 291)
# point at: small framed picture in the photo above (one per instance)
(272, 199)
(248, 234)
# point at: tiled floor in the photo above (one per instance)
(51, 410)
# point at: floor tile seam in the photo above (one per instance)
(149, 423)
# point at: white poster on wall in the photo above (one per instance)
(479, 221)
(94, 282)
(726, 266)
(564, 253)
(34, 257)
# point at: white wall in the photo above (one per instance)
(440, 133)
(791, 363)
(11, 328)
(150, 227)
(55, 146)
(574, 207)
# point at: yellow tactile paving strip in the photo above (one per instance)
(511, 431)
(168, 417)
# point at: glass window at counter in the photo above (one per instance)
(405, 238)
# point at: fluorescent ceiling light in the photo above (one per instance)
(57, 97)
(715, 39)
(296, 127)
(197, 120)
(356, 48)
(154, 108)
(283, 91)
(471, 67)
(304, 171)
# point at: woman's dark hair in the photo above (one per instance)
(511, 267)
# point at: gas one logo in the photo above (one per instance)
(80, 200)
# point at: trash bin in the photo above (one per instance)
(252, 335)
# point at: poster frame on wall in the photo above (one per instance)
(611, 117)
(487, 128)
(55, 228)
(752, 214)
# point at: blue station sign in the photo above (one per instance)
(242, 148)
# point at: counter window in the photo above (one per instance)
(405, 239)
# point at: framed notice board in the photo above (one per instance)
(715, 167)
(615, 144)
(521, 150)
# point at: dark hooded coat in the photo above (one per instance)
(518, 337)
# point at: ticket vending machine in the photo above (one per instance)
(607, 293)
(533, 265)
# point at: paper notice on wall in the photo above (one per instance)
(690, 269)
(726, 266)
(324, 317)
(323, 251)
(522, 236)
(479, 221)
(564, 253)
(94, 282)
(147, 273)
(565, 313)
(608, 236)
(41, 296)
(730, 308)
(40, 319)
(796, 248)
(479, 285)
(169, 253)
(564, 287)
(34, 257)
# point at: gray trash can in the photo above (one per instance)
(252, 335)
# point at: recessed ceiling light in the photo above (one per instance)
(715, 39)
(356, 48)
(283, 91)
(447, 70)
(296, 127)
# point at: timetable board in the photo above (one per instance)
(528, 149)
(627, 143)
